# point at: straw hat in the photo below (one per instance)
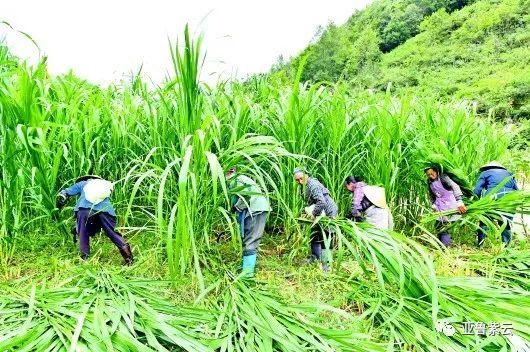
(492, 165)
(88, 177)
(298, 170)
(376, 195)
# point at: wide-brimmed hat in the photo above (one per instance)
(88, 177)
(376, 195)
(492, 165)
(298, 170)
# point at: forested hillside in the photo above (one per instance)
(473, 50)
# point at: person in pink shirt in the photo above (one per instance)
(445, 194)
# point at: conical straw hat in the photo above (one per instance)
(376, 195)
(88, 177)
(492, 164)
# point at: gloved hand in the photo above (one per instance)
(309, 212)
(354, 218)
(61, 201)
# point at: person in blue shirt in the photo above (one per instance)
(91, 218)
(492, 175)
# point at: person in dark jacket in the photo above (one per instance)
(492, 175)
(94, 212)
(319, 203)
(445, 194)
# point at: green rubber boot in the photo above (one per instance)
(249, 265)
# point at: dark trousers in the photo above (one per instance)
(317, 240)
(506, 234)
(252, 228)
(88, 225)
(443, 234)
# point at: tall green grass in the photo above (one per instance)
(168, 149)
(54, 129)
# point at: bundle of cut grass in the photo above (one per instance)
(103, 312)
(510, 265)
(492, 211)
(488, 302)
(252, 319)
(406, 301)
(100, 312)
(458, 143)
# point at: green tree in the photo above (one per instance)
(403, 24)
(327, 58)
(363, 66)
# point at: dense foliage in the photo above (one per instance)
(473, 50)
(167, 150)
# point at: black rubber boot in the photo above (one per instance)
(126, 253)
(74, 234)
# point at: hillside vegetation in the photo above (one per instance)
(472, 50)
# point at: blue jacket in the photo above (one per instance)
(82, 202)
(491, 178)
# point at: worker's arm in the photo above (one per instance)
(455, 188)
(317, 195)
(240, 202)
(481, 185)
(63, 195)
(457, 192)
(357, 198)
(73, 190)
(515, 185)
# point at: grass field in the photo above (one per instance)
(167, 148)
